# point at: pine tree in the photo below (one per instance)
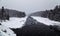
(7, 17)
(2, 11)
(55, 9)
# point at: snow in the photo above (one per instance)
(15, 22)
(46, 21)
(8, 31)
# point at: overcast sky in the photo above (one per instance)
(29, 6)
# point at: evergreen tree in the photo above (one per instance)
(2, 11)
(56, 8)
(7, 17)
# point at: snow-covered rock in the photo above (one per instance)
(35, 28)
(30, 21)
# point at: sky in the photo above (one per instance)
(29, 6)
